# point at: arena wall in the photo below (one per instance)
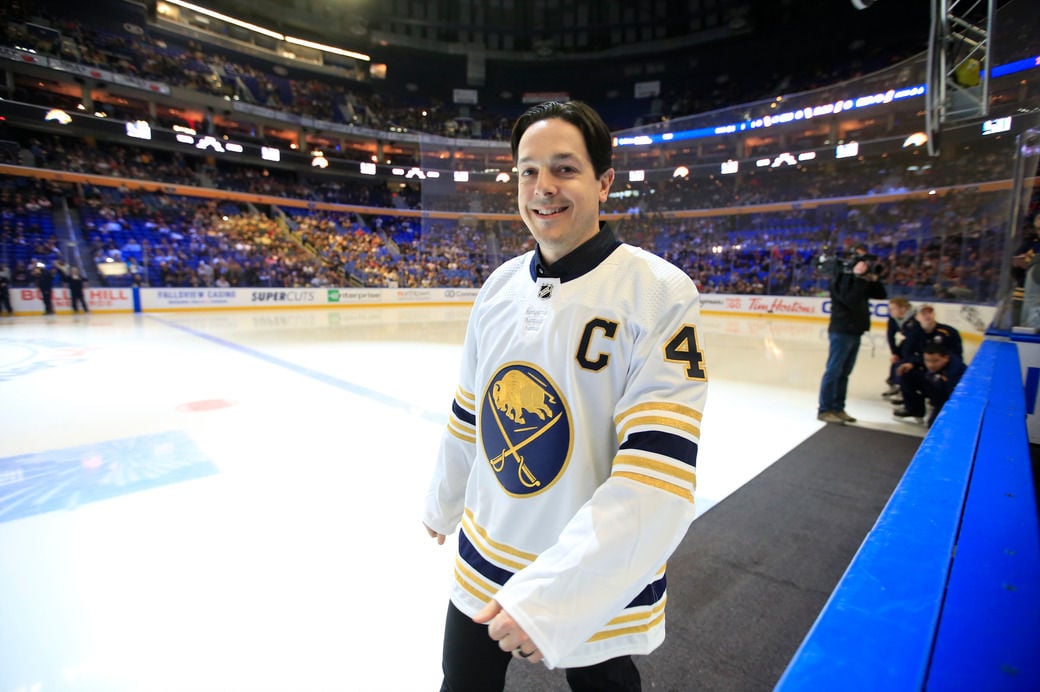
(970, 320)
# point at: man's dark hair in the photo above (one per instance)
(936, 349)
(593, 130)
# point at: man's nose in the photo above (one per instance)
(545, 185)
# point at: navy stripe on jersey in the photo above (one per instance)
(475, 560)
(651, 594)
(666, 444)
(462, 414)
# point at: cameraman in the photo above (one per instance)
(853, 284)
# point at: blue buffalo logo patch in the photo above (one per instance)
(525, 429)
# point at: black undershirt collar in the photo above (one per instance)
(579, 261)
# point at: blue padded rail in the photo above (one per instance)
(883, 621)
(989, 634)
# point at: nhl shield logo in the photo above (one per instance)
(525, 429)
(545, 291)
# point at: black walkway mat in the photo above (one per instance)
(753, 572)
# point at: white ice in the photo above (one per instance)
(300, 562)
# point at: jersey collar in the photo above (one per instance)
(579, 261)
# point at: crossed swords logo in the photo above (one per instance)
(524, 474)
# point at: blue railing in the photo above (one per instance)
(944, 593)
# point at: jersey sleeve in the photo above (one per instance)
(610, 557)
(445, 498)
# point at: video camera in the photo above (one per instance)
(842, 263)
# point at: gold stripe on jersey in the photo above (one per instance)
(493, 550)
(642, 614)
(669, 406)
(650, 618)
(473, 582)
(466, 400)
(682, 419)
(663, 467)
(658, 423)
(682, 491)
(463, 431)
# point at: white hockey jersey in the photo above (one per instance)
(569, 457)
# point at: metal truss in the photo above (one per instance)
(959, 42)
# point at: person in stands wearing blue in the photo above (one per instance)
(852, 286)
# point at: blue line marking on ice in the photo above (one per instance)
(324, 378)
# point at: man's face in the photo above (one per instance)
(558, 191)
(896, 310)
(935, 361)
(927, 319)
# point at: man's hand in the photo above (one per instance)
(433, 534)
(509, 635)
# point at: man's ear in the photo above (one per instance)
(605, 181)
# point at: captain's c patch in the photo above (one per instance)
(525, 429)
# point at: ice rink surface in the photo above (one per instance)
(230, 501)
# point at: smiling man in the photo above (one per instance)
(560, 186)
(569, 460)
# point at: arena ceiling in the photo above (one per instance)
(583, 28)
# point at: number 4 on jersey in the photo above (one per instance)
(683, 348)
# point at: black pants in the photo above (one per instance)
(78, 300)
(472, 662)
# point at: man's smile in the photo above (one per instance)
(549, 211)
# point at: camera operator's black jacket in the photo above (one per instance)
(850, 302)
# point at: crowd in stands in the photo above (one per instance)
(937, 248)
(901, 171)
(168, 240)
(189, 64)
(942, 247)
(73, 155)
(947, 247)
